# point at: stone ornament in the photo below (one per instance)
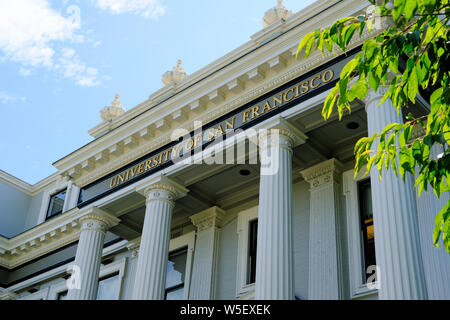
(323, 173)
(113, 111)
(175, 76)
(275, 14)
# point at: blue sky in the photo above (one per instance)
(62, 61)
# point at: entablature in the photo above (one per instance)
(241, 76)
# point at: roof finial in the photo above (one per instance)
(116, 102)
(275, 14)
(175, 76)
(113, 111)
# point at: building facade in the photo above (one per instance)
(228, 184)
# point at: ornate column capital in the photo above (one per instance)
(323, 173)
(212, 217)
(161, 188)
(288, 133)
(97, 220)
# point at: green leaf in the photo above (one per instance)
(303, 42)
(399, 6)
(439, 220)
(413, 85)
(410, 9)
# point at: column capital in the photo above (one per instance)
(97, 219)
(161, 187)
(285, 129)
(212, 217)
(322, 173)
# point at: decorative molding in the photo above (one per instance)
(49, 236)
(159, 187)
(323, 173)
(276, 80)
(212, 217)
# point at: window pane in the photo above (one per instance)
(253, 233)
(176, 294)
(62, 295)
(176, 269)
(367, 231)
(56, 204)
(108, 288)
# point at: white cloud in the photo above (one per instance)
(152, 9)
(31, 33)
(7, 98)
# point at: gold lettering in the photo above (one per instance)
(286, 99)
(245, 116)
(314, 86)
(166, 155)
(297, 91)
(305, 86)
(212, 134)
(255, 112)
(189, 145)
(277, 100)
(228, 125)
(120, 179)
(141, 168)
(331, 75)
(133, 171)
(148, 165)
(266, 107)
(219, 131)
(113, 182)
(155, 162)
(175, 151)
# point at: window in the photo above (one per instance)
(360, 235)
(367, 231)
(62, 295)
(108, 287)
(247, 230)
(251, 269)
(175, 279)
(56, 204)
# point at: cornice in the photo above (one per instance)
(283, 45)
(48, 236)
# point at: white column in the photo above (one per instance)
(325, 278)
(89, 253)
(274, 257)
(208, 225)
(437, 260)
(154, 248)
(397, 239)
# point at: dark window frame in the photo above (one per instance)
(49, 216)
(252, 249)
(368, 246)
(182, 284)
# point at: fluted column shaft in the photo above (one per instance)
(154, 248)
(437, 260)
(208, 224)
(397, 238)
(274, 261)
(325, 279)
(89, 254)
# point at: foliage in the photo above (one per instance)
(410, 56)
